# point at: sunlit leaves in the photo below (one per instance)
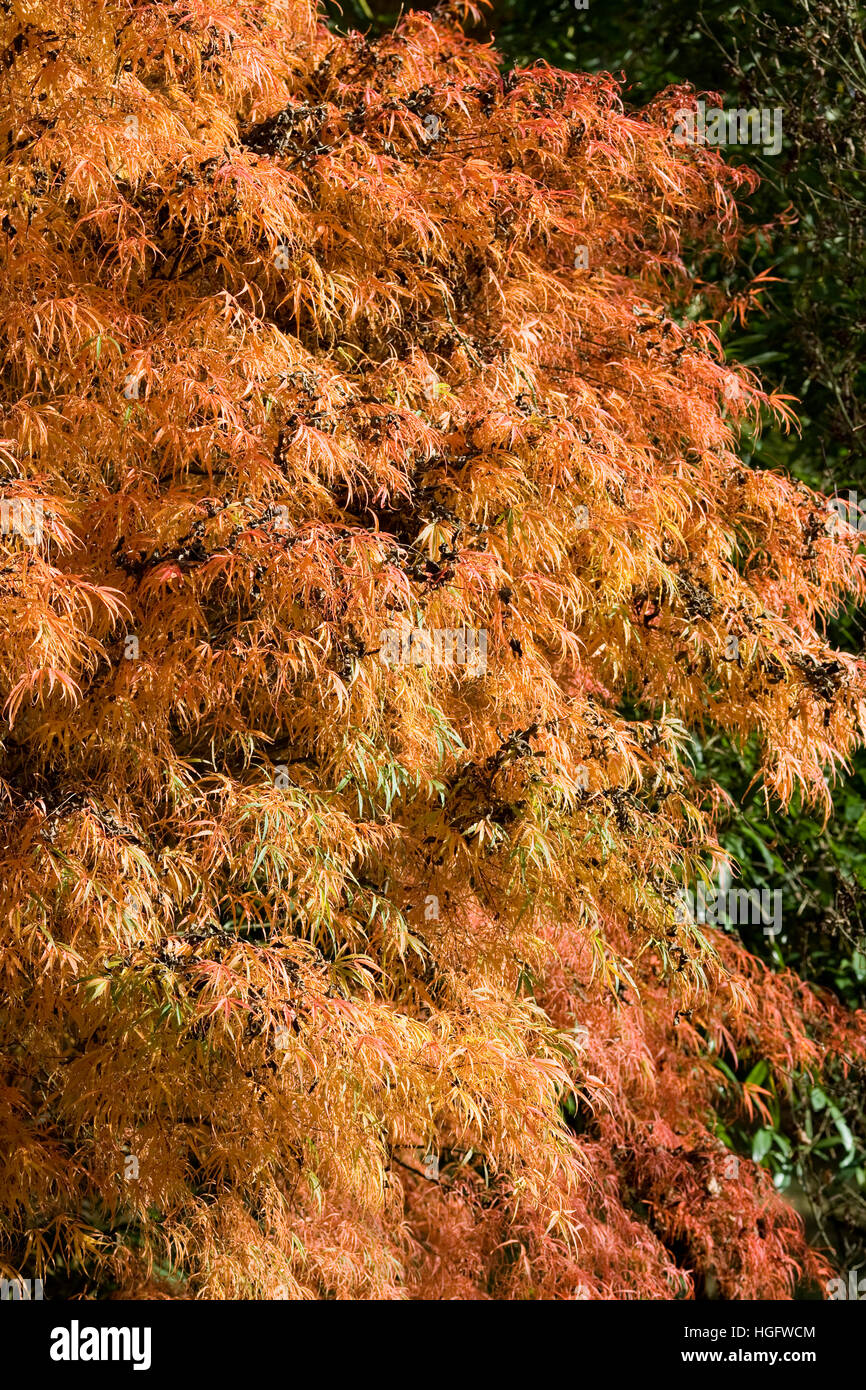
(283, 917)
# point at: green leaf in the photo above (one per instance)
(758, 1074)
(762, 1142)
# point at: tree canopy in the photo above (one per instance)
(342, 976)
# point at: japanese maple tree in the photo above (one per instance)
(332, 975)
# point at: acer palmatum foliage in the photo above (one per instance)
(325, 975)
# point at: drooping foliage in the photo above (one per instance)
(332, 976)
(808, 231)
